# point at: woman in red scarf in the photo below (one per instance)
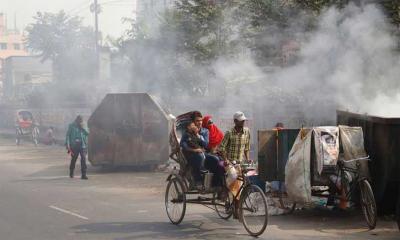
(213, 162)
(216, 135)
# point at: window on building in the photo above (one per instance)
(17, 46)
(3, 46)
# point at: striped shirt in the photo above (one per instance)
(235, 144)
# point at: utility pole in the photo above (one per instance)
(95, 8)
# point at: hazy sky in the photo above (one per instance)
(109, 19)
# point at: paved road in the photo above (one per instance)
(39, 202)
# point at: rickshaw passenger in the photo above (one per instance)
(215, 134)
(197, 118)
(213, 162)
(192, 147)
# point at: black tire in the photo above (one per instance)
(368, 204)
(35, 136)
(224, 207)
(253, 210)
(17, 137)
(398, 210)
(175, 201)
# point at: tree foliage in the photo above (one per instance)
(64, 40)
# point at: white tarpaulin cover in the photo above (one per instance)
(326, 141)
(297, 170)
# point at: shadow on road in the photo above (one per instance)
(159, 230)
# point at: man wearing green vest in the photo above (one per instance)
(76, 143)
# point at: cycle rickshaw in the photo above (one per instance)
(26, 127)
(324, 162)
(248, 203)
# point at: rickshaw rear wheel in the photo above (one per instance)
(253, 210)
(368, 204)
(175, 201)
(224, 206)
(17, 139)
(35, 136)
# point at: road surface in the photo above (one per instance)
(38, 201)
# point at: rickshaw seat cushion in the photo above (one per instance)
(25, 124)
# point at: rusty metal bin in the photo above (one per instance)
(128, 129)
(273, 152)
(382, 143)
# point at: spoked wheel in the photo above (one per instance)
(253, 210)
(175, 201)
(35, 136)
(17, 137)
(368, 204)
(224, 203)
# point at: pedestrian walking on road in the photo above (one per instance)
(76, 143)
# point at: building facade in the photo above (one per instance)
(11, 44)
(24, 74)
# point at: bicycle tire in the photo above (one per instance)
(368, 204)
(175, 200)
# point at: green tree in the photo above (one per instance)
(64, 40)
(179, 54)
(392, 8)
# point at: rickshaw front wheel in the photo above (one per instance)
(175, 201)
(253, 210)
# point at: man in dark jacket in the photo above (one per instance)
(76, 143)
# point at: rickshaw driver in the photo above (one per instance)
(236, 142)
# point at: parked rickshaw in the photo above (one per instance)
(287, 152)
(381, 137)
(250, 205)
(26, 127)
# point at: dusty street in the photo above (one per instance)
(39, 202)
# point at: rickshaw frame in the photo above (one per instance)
(32, 131)
(230, 205)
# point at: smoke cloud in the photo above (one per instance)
(349, 61)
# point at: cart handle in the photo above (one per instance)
(358, 159)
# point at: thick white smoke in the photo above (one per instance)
(350, 61)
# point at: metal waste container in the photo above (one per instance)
(129, 129)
